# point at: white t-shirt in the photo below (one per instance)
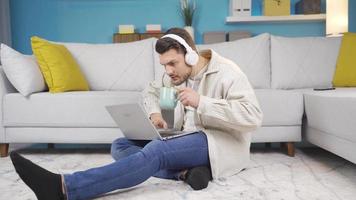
(189, 123)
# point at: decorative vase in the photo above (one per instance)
(190, 30)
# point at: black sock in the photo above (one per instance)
(198, 178)
(45, 184)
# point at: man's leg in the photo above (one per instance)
(123, 147)
(179, 153)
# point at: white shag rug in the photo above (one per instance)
(312, 174)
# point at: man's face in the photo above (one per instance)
(175, 66)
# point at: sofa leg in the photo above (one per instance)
(290, 148)
(4, 150)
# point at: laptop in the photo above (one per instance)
(134, 123)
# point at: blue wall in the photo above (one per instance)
(95, 21)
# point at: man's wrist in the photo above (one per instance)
(197, 103)
(155, 115)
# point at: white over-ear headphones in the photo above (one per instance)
(191, 57)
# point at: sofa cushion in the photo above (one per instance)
(158, 68)
(70, 109)
(345, 73)
(252, 55)
(333, 112)
(280, 107)
(60, 70)
(303, 62)
(22, 71)
(120, 66)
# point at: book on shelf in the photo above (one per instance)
(240, 7)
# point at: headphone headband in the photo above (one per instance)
(191, 57)
(180, 40)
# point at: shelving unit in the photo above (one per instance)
(131, 37)
(288, 18)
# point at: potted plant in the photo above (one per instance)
(188, 8)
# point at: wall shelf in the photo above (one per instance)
(289, 18)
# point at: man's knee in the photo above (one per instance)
(155, 147)
(118, 146)
(120, 142)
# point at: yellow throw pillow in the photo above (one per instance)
(58, 66)
(345, 73)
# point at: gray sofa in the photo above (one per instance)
(282, 70)
(331, 121)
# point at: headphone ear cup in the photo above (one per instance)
(191, 58)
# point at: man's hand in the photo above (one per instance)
(158, 121)
(189, 97)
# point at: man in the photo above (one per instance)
(216, 101)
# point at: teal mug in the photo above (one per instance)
(168, 98)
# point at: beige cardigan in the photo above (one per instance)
(228, 111)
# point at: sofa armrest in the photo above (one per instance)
(5, 88)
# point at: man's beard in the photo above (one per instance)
(185, 78)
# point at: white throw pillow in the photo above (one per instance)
(120, 66)
(252, 55)
(22, 71)
(303, 62)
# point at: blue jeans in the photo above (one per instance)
(123, 147)
(155, 158)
